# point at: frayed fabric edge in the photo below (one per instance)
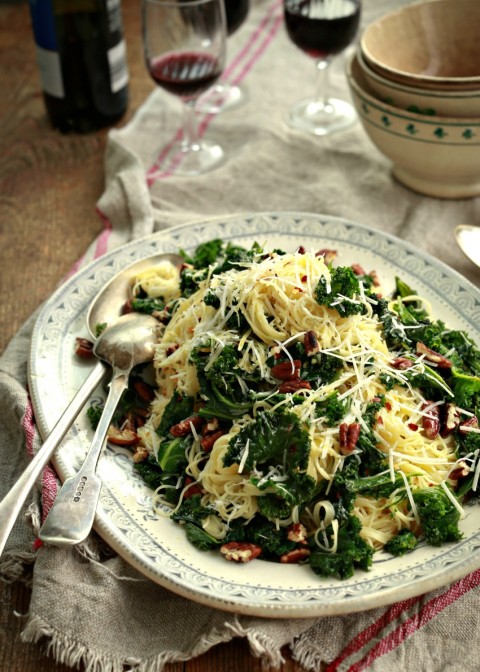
(14, 566)
(72, 653)
(307, 657)
(261, 646)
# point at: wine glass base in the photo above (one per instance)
(220, 98)
(321, 118)
(201, 158)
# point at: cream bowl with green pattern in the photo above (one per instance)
(416, 99)
(433, 155)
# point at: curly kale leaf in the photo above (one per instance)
(153, 476)
(192, 513)
(178, 408)
(219, 385)
(273, 438)
(438, 515)
(347, 484)
(148, 306)
(235, 256)
(273, 540)
(404, 542)
(237, 320)
(191, 279)
(373, 460)
(466, 389)
(333, 409)
(222, 256)
(294, 489)
(205, 254)
(172, 454)
(343, 293)
(94, 413)
(352, 552)
(199, 538)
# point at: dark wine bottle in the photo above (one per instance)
(81, 55)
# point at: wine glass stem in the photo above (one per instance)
(322, 93)
(190, 128)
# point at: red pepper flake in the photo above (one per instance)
(304, 278)
(388, 406)
(38, 543)
(412, 426)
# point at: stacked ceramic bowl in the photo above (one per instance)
(415, 83)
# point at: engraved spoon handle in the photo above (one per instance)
(12, 503)
(71, 517)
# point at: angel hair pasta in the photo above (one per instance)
(301, 417)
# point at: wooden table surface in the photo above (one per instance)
(49, 185)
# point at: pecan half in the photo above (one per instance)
(432, 356)
(83, 348)
(140, 455)
(328, 255)
(239, 551)
(212, 425)
(294, 385)
(451, 419)
(184, 427)
(295, 556)
(122, 437)
(208, 440)
(401, 363)
(375, 278)
(297, 533)
(287, 370)
(462, 469)
(348, 435)
(194, 489)
(467, 425)
(431, 420)
(143, 389)
(311, 344)
(358, 269)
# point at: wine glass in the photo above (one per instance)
(225, 96)
(322, 29)
(185, 45)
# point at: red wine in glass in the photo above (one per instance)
(184, 48)
(186, 75)
(236, 11)
(321, 29)
(318, 33)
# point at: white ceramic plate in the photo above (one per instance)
(157, 547)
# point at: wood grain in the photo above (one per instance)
(49, 185)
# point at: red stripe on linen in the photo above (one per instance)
(418, 620)
(362, 638)
(28, 425)
(251, 41)
(154, 173)
(102, 240)
(270, 35)
(49, 481)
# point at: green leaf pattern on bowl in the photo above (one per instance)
(429, 131)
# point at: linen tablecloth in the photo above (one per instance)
(90, 605)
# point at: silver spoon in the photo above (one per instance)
(129, 341)
(468, 239)
(106, 307)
